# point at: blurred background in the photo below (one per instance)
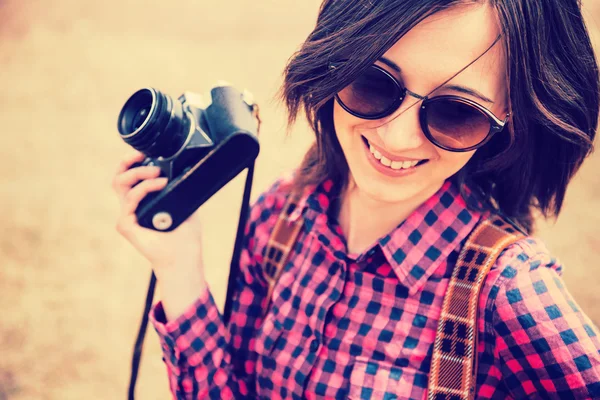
(71, 289)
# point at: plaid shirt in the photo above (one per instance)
(362, 326)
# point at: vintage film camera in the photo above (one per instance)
(199, 143)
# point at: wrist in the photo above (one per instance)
(178, 291)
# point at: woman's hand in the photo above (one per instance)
(176, 256)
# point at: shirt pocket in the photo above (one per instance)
(371, 379)
(281, 359)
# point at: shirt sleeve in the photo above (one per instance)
(205, 358)
(547, 346)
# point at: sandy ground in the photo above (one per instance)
(71, 290)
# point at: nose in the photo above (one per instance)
(402, 130)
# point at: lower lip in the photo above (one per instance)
(388, 170)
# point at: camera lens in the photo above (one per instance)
(140, 117)
(153, 123)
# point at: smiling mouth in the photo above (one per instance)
(394, 165)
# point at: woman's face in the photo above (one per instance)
(428, 55)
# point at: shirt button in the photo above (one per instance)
(314, 346)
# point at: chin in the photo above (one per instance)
(392, 192)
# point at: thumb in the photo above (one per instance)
(141, 238)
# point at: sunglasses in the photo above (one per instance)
(451, 123)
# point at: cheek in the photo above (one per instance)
(348, 126)
(344, 124)
(453, 162)
(338, 121)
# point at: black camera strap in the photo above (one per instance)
(233, 274)
(234, 268)
(139, 342)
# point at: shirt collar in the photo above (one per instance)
(418, 246)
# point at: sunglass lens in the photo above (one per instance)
(372, 94)
(455, 124)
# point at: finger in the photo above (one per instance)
(135, 195)
(129, 227)
(126, 225)
(123, 182)
(129, 160)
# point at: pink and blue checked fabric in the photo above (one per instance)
(362, 326)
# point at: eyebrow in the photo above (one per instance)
(390, 64)
(456, 88)
(466, 90)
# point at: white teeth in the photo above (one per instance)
(397, 164)
(375, 153)
(389, 163)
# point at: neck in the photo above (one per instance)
(364, 220)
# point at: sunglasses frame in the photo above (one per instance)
(496, 124)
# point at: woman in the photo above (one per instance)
(430, 116)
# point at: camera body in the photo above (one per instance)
(199, 143)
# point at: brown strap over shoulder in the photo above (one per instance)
(453, 365)
(282, 239)
(454, 361)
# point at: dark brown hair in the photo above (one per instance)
(554, 90)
